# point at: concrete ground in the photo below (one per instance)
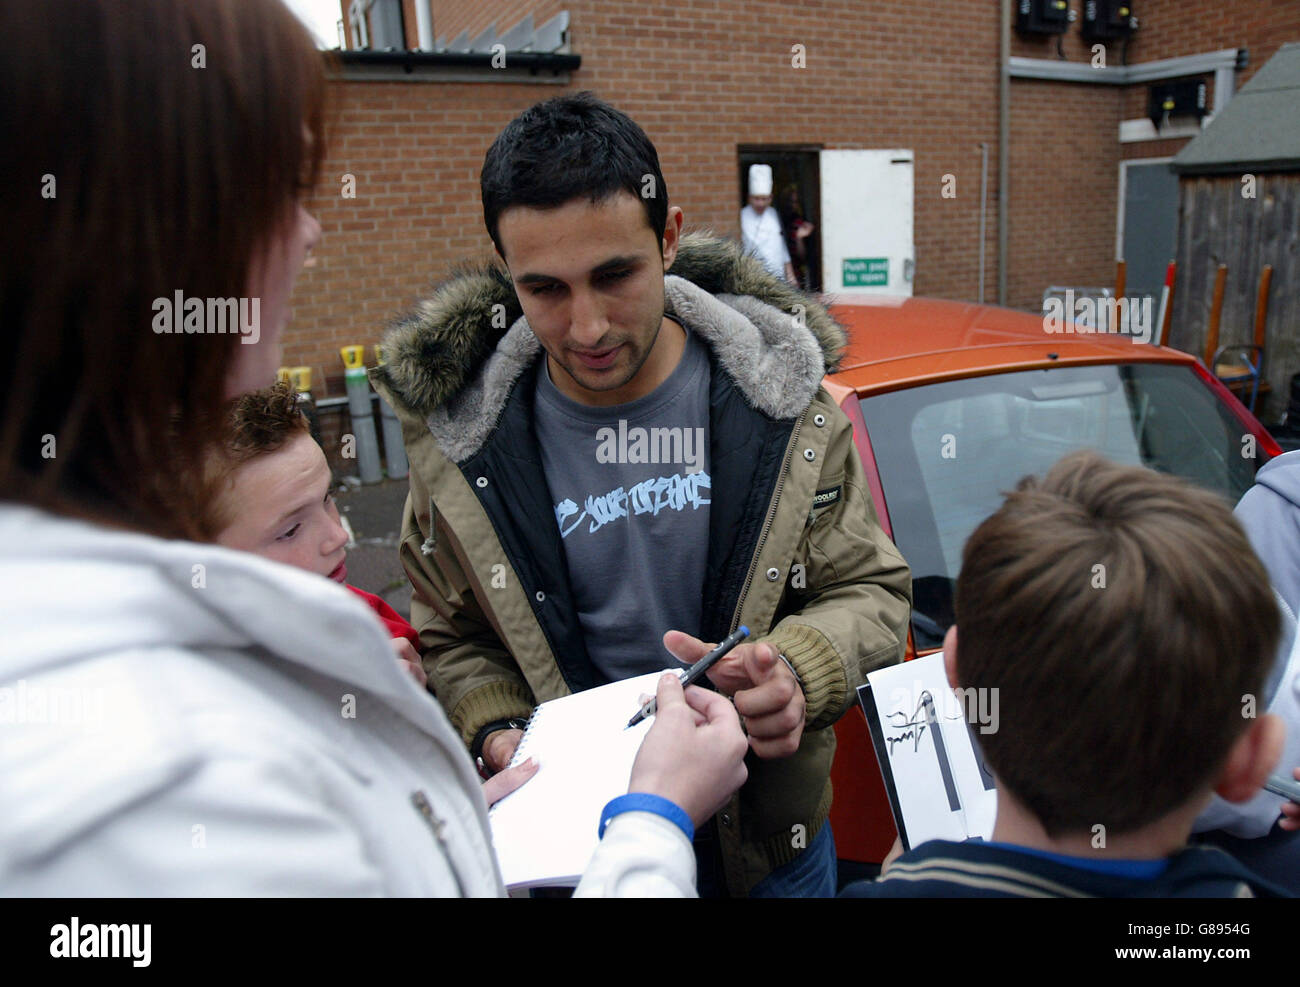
(375, 515)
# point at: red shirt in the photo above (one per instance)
(397, 625)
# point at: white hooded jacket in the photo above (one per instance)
(183, 719)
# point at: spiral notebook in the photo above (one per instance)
(545, 832)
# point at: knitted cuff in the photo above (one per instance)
(818, 669)
(503, 699)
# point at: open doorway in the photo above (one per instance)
(796, 197)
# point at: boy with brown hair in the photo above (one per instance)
(272, 496)
(1125, 623)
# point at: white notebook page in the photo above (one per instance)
(913, 758)
(545, 832)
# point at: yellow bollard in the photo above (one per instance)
(354, 357)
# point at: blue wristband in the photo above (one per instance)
(645, 802)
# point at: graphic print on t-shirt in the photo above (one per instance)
(675, 492)
(630, 488)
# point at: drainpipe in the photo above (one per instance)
(984, 199)
(1004, 142)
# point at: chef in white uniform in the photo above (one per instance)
(760, 226)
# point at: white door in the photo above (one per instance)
(867, 223)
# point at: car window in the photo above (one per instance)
(947, 452)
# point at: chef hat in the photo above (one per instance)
(760, 179)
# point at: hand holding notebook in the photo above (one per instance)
(546, 832)
(694, 755)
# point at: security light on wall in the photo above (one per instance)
(1107, 20)
(1181, 98)
(1043, 16)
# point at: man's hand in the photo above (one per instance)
(409, 659)
(762, 687)
(500, 785)
(499, 748)
(694, 754)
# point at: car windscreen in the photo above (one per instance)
(948, 452)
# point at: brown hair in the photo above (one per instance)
(258, 423)
(157, 146)
(1123, 618)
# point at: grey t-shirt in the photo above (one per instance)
(630, 486)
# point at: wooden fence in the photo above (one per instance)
(1220, 222)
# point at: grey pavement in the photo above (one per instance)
(375, 514)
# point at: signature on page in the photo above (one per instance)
(912, 727)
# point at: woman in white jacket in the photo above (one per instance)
(177, 718)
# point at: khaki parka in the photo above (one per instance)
(795, 549)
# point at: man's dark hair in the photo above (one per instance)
(566, 148)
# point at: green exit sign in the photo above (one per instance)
(866, 272)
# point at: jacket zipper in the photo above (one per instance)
(767, 521)
(421, 803)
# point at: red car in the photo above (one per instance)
(951, 405)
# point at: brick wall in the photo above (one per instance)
(1064, 185)
(410, 26)
(1186, 27)
(706, 82)
(703, 79)
(1170, 28)
(414, 151)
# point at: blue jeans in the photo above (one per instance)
(812, 874)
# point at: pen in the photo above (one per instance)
(695, 671)
(1284, 786)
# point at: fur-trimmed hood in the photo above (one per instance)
(453, 359)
